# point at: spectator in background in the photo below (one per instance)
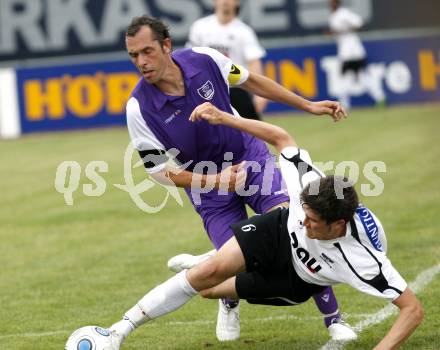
(227, 33)
(343, 25)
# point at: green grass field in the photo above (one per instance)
(63, 267)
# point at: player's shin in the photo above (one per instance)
(338, 329)
(163, 299)
(328, 305)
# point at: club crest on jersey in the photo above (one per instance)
(206, 91)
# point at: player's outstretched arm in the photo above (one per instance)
(229, 179)
(267, 88)
(411, 315)
(272, 134)
(260, 103)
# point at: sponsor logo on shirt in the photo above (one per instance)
(370, 226)
(303, 255)
(327, 260)
(206, 91)
(172, 116)
(283, 191)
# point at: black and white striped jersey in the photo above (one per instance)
(358, 259)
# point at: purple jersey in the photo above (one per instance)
(167, 116)
(158, 123)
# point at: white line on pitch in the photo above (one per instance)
(421, 281)
(190, 323)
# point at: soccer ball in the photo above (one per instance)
(90, 338)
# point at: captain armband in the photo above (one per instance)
(153, 157)
(237, 75)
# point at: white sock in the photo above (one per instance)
(123, 327)
(166, 297)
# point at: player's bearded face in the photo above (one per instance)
(147, 54)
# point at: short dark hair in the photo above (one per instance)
(334, 198)
(336, 3)
(160, 29)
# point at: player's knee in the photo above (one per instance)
(210, 271)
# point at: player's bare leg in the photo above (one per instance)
(228, 317)
(228, 326)
(179, 289)
(225, 289)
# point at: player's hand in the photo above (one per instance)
(232, 178)
(207, 111)
(332, 108)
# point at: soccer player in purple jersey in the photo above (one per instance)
(173, 84)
